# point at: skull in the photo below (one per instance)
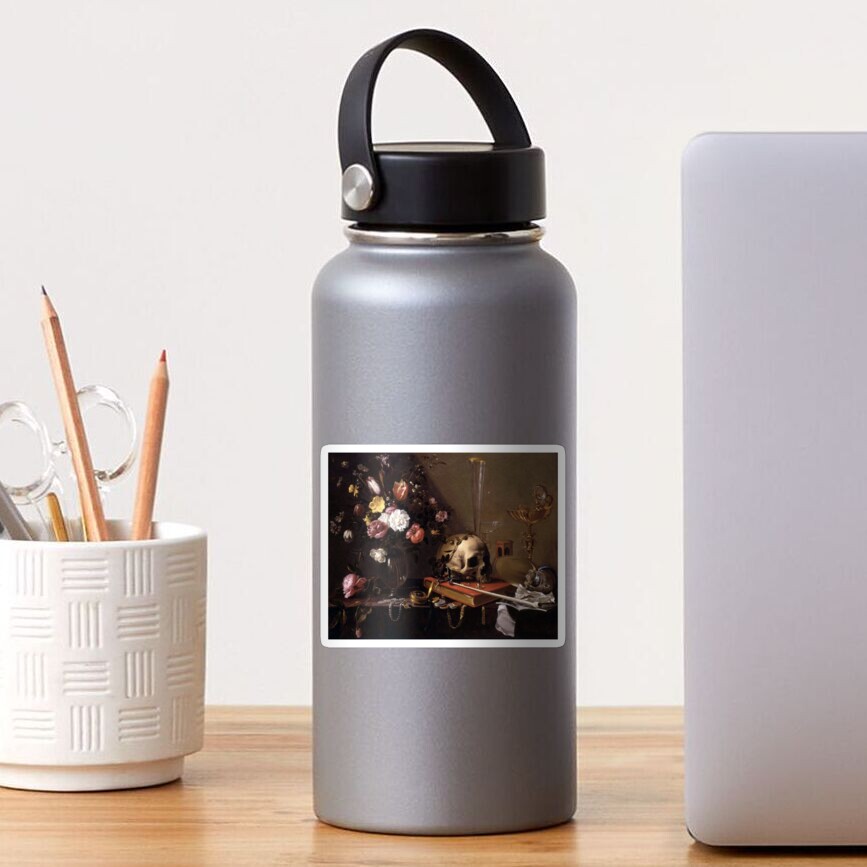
(465, 557)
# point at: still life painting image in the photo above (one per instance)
(442, 546)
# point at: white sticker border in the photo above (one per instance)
(442, 643)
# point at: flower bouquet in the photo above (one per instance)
(391, 520)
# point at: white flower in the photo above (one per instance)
(347, 535)
(398, 520)
(379, 555)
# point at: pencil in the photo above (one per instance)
(55, 512)
(92, 514)
(142, 521)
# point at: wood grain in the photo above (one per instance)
(246, 800)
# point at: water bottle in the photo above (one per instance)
(444, 434)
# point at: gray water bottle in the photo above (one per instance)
(444, 364)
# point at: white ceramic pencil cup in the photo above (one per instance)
(102, 660)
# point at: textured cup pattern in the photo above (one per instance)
(102, 651)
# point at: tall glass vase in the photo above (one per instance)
(397, 567)
(477, 483)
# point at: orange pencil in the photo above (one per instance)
(91, 505)
(142, 521)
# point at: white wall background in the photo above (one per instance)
(168, 169)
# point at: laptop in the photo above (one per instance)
(775, 488)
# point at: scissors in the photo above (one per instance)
(55, 452)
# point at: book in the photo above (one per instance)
(468, 595)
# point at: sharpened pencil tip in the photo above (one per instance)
(48, 311)
(163, 356)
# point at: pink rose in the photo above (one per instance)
(442, 516)
(415, 534)
(353, 584)
(432, 501)
(377, 529)
(400, 490)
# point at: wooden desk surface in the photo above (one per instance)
(246, 800)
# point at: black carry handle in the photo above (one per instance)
(477, 76)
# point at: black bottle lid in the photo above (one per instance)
(439, 185)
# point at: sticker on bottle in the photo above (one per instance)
(442, 546)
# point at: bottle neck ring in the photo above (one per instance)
(409, 238)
